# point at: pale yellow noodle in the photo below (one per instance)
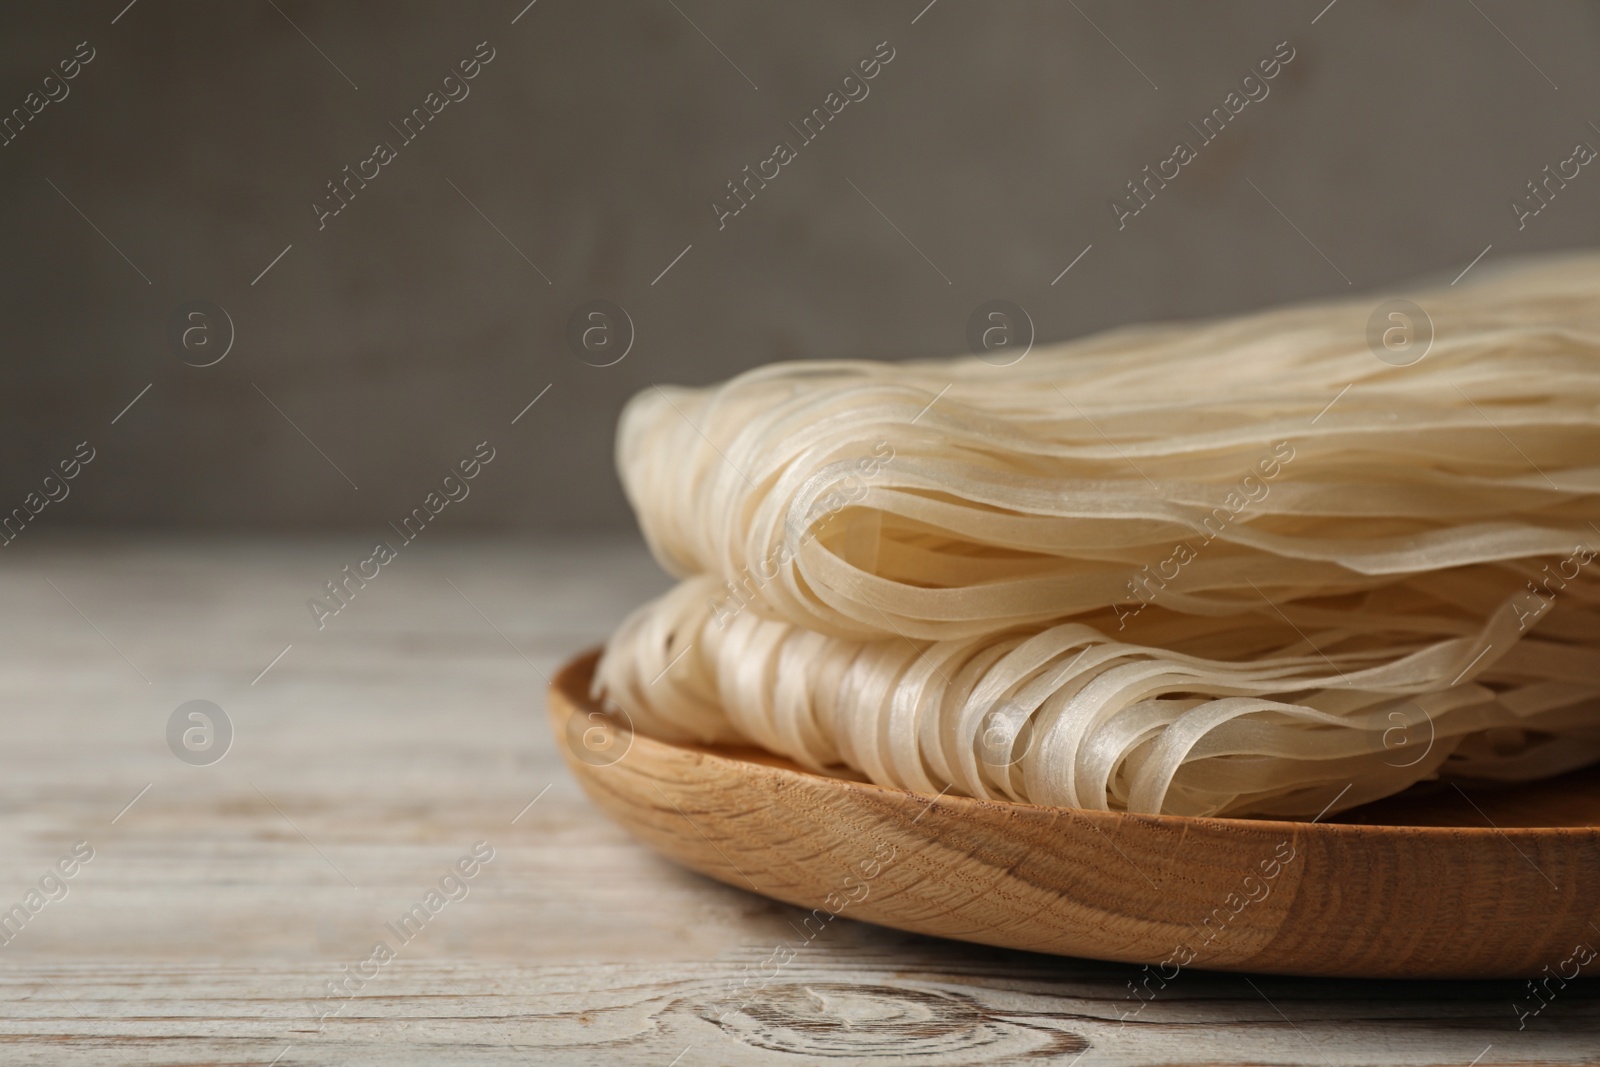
(1242, 566)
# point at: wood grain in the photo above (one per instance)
(214, 912)
(1305, 898)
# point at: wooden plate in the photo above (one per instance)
(1439, 882)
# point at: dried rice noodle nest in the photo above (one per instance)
(1359, 707)
(1239, 567)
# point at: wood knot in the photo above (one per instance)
(836, 1019)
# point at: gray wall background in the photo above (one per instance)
(199, 136)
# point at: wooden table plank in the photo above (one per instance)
(377, 751)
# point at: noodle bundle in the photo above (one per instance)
(1237, 567)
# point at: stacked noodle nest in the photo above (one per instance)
(1240, 567)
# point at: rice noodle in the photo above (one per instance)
(1238, 567)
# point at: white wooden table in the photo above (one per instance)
(374, 754)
